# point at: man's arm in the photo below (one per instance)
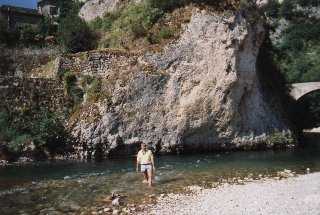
(138, 162)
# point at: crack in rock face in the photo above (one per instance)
(204, 94)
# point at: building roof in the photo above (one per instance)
(40, 1)
(22, 10)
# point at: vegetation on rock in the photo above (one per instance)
(35, 135)
(93, 90)
(280, 140)
(75, 35)
(149, 23)
(297, 40)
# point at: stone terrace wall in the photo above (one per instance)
(22, 62)
(17, 95)
(98, 63)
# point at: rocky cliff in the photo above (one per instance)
(202, 92)
(96, 8)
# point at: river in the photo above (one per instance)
(29, 189)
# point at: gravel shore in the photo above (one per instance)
(298, 195)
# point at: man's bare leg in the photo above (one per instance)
(150, 177)
(145, 177)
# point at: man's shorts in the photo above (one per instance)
(145, 167)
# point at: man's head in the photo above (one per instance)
(143, 146)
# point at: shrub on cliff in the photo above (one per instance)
(69, 81)
(47, 27)
(75, 35)
(133, 22)
(28, 35)
(94, 90)
(68, 7)
(50, 135)
(132, 26)
(39, 134)
(71, 88)
(150, 22)
(11, 137)
(105, 23)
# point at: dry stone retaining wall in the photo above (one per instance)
(17, 94)
(95, 63)
(22, 62)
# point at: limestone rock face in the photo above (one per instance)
(97, 8)
(203, 93)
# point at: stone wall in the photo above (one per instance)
(99, 63)
(17, 95)
(27, 62)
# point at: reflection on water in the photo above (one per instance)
(30, 189)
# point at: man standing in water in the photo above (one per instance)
(146, 162)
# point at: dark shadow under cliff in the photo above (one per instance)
(275, 87)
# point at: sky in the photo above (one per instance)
(20, 3)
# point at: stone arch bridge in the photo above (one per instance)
(300, 89)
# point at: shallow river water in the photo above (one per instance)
(30, 189)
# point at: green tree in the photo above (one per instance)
(298, 50)
(49, 134)
(28, 34)
(43, 128)
(75, 35)
(297, 53)
(47, 28)
(68, 7)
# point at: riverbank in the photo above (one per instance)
(298, 195)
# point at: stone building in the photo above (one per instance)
(48, 8)
(18, 16)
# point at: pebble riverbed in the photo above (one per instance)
(293, 195)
